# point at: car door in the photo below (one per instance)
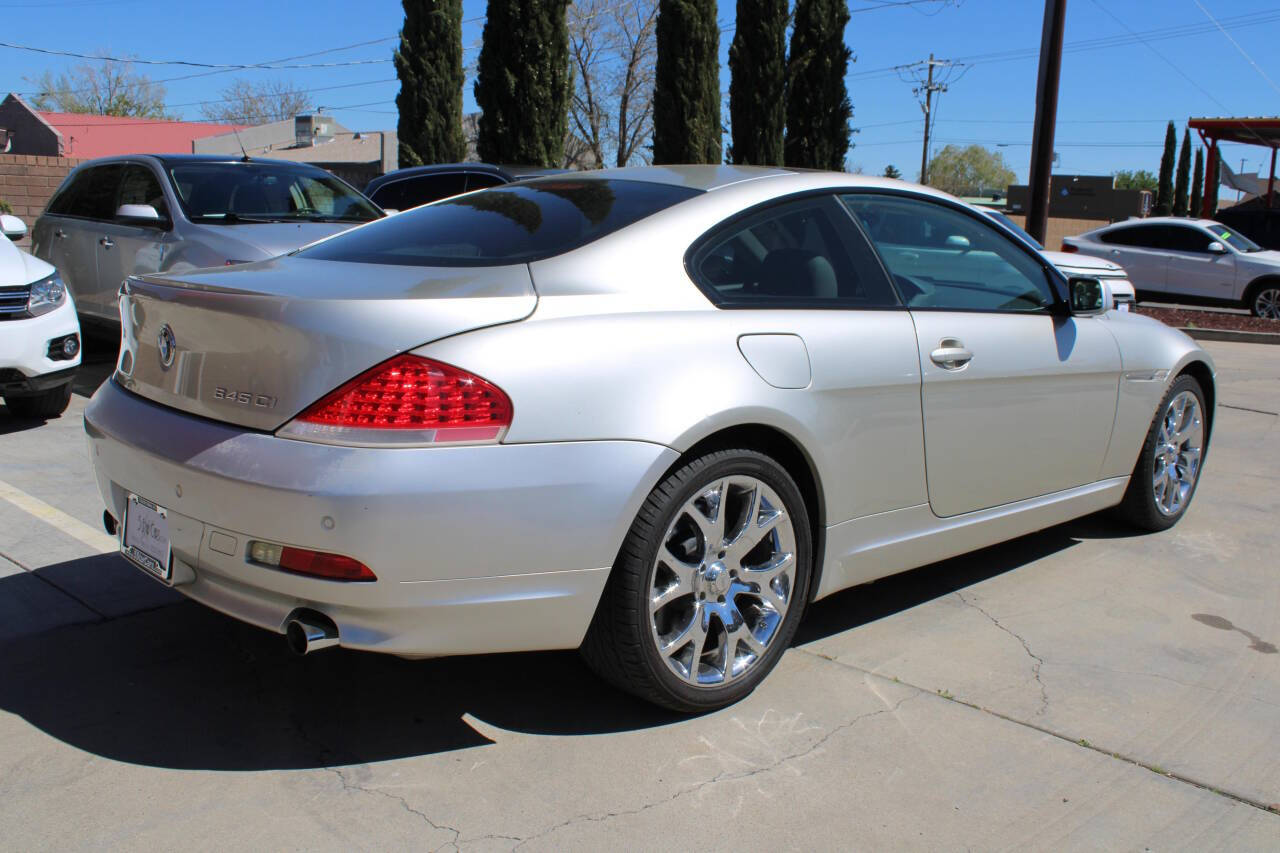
(1141, 250)
(1195, 271)
(1018, 396)
(128, 247)
(77, 229)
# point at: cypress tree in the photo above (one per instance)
(686, 91)
(818, 108)
(429, 65)
(522, 83)
(1197, 183)
(1164, 189)
(1184, 176)
(757, 82)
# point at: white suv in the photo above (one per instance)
(39, 333)
(1189, 260)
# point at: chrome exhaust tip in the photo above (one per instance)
(308, 631)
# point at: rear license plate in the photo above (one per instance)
(146, 537)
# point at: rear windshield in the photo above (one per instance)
(238, 193)
(512, 224)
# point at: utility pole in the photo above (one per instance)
(924, 84)
(1055, 14)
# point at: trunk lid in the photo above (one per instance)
(277, 238)
(255, 344)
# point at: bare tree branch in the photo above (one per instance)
(246, 102)
(100, 88)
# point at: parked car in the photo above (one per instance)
(649, 413)
(1195, 261)
(39, 335)
(1070, 264)
(417, 185)
(121, 216)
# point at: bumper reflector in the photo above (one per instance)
(303, 561)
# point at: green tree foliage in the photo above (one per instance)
(1184, 176)
(429, 65)
(818, 108)
(757, 82)
(891, 171)
(1135, 180)
(686, 97)
(1197, 183)
(522, 83)
(969, 171)
(1164, 189)
(101, 88)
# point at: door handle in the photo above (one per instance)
(106, 243)
(951, 354)
(59, 233)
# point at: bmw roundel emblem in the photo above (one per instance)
(168, 346)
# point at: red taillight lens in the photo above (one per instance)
(332, 566)
(1067, 247)
(407, 400)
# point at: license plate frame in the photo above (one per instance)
(145, 529)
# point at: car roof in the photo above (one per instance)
(1161, 220)
(176, 159)
(781, 179)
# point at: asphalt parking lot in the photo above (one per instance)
(1082, 687)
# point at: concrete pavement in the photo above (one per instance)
(1079, 688)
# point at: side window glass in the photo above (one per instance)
(140, 186)
(1183, 239)
(798, 254)
(63, 202)
(413, 192)
(479, 181)
(943, 258)
(1138, 236)
(97, 200)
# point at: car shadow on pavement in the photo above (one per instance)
(96, 655)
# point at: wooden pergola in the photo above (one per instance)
(1247, 131)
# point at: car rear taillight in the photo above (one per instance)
(408, 400)
(303, 561)
(1067, 247)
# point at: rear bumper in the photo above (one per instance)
(477, 549)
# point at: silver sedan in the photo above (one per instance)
(651, 414)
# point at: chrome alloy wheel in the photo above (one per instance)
(1267, 303)
(1179, 445)
(722, 581)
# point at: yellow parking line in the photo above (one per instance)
(96, 539)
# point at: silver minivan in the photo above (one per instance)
(121, 216)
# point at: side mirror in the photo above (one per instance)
(956, 241)
(1216, 248)
(390, 211)
(13, 227)
(139, 214)
(1089, 296)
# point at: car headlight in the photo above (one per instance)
(46, 294)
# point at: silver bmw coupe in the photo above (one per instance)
(648, 413)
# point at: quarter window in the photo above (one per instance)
(943, 258)
(800, 254)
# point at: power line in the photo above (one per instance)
(192, 64)
(1229, 38)
(924, 85)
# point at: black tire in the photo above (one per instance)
(619, 645)
(42, 406)
(1263, 299)
(1139, 504)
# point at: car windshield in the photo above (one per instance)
(1238, 241)
(512, 224)
(233, 193)
(1013, 226)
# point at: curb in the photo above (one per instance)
(1236, 337)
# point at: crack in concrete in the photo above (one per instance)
(726, 776)
(404, 804)
(1037, 660)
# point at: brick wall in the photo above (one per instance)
(27, 181)
(1058, 227)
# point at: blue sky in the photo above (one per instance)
(1115, 98)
